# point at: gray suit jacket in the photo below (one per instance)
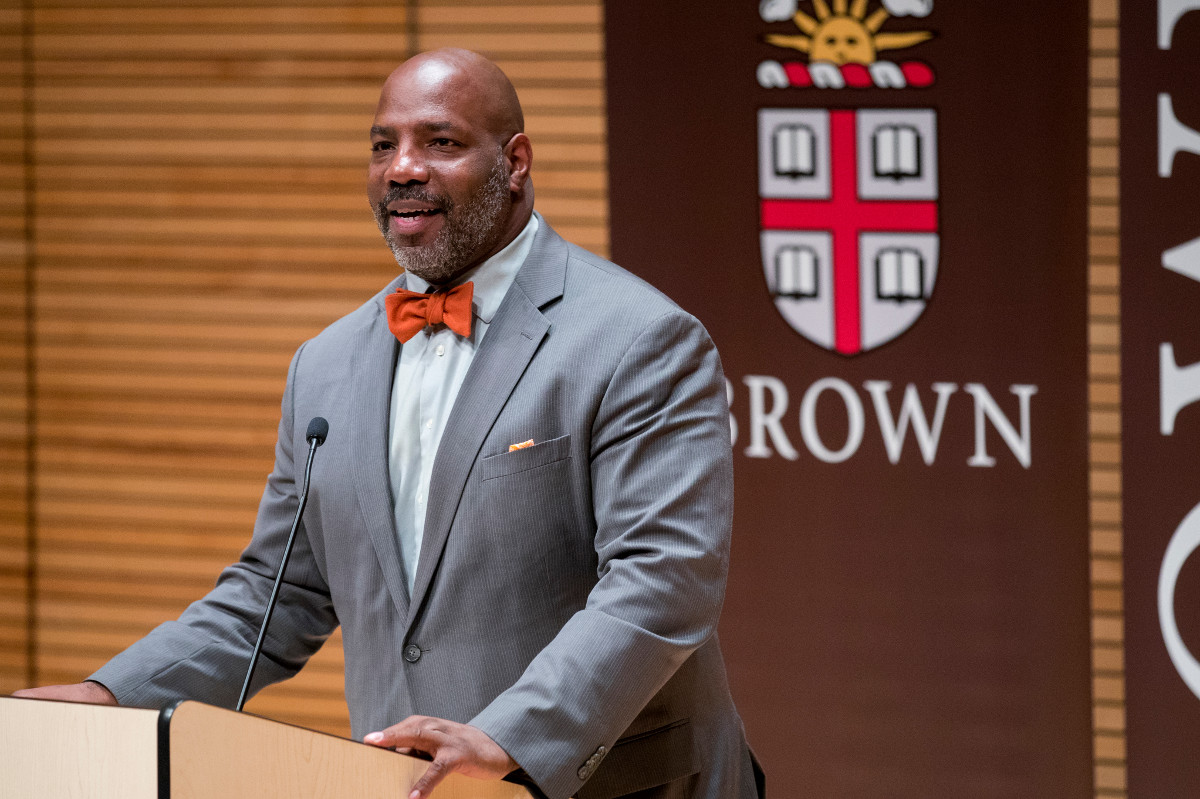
(566, 594)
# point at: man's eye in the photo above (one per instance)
(381, 145)
(443, 142)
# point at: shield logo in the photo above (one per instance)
(849, 220)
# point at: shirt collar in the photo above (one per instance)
(493, 277)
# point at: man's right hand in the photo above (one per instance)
(91, 693)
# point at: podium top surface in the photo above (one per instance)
(196, 751)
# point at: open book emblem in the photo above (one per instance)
(849, 220)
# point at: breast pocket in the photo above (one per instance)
(522, 460)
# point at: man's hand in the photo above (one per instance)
(453, 747)
(90, 693)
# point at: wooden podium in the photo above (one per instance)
(59, 750)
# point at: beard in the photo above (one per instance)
(470, 228)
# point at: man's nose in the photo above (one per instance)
(408, 166)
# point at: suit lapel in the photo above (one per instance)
(374, 364)
(511, 341)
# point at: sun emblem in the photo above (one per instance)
(843, 35)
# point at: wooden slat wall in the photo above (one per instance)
(14, 433)
(198, 172)
(1108, 661)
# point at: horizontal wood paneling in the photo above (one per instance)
(14, 431)
(198, 172)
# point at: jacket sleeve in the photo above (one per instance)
(662, 488)
(204, 654)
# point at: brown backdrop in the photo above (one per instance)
(911, 629)
(1160, 178)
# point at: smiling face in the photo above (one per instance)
(842, 40)
(448, 179)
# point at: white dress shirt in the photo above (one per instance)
(429, 372)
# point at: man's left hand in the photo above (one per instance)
(453, 747)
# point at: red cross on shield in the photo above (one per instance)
(849, 220)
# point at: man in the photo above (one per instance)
(521, 515)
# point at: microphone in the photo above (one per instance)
(318, 429)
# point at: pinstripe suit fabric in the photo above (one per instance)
(567, 593)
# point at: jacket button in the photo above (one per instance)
(412, 653)
(582, 773)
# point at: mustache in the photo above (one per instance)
(417, 193)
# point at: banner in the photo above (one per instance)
(1160, 365)
(879, 212)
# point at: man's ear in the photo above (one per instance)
(519, 154)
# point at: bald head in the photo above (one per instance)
(466, 79)
(449, 175)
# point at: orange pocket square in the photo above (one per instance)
(522, 445)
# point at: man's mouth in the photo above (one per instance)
(409, 218)
(414, 214)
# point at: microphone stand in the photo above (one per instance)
(318, 428)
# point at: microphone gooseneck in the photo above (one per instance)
(318, 429)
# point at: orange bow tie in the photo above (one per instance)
(409, 312)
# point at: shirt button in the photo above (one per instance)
(441, 349)
(412, 653)
(429, 424)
